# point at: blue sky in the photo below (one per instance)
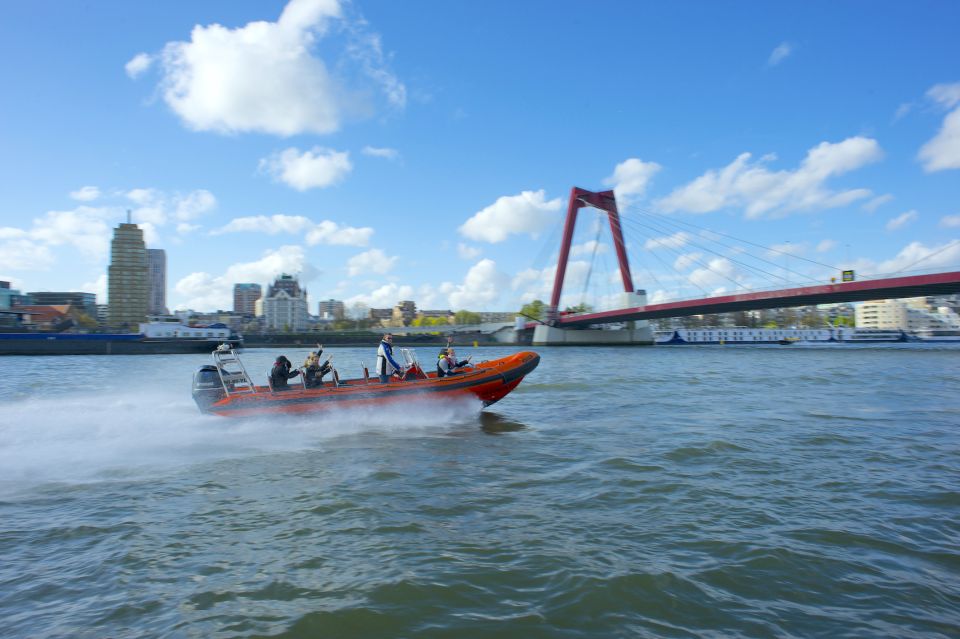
(424, 150)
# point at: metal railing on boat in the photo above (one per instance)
(234, 381)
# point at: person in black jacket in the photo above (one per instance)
(313, 370)
(280, 373)
(447, 364)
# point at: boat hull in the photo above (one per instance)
(488, 382)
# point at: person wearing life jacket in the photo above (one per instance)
(313, 370)
(280, 373)
(386, 365)
(447, 363)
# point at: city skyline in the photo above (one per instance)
(382, 153)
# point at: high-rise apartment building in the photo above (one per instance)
(157, 275)
(127, 283)
(245, 298)
(285, 305)
(331, 309)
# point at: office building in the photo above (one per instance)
(157, 275)
(331, 310)
(128, 285)
(10, 297)
(245, 298)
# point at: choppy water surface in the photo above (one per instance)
(661, 492)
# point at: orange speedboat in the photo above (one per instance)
(225, 388)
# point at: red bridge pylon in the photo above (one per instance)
(604, 201)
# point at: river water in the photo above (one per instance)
(709, 491)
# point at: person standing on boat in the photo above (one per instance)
(386, 365)
(281, 372)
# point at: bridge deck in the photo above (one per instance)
(895, 287)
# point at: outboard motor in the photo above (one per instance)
(207, 387)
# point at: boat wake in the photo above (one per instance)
(132, 435)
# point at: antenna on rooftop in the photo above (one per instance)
(128, 216)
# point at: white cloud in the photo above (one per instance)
(266, 76)
(157, 207)
(529, 212)
(193, 204)
(717, 275)
(271, 225)
(761, 191)
(385, 153)
(531, 284)
(482, 287)
(902, 111)
(467, 252)
(324, 232)
(98, 287)
(138, 64)
(203, 291)
(943, 151)
(143, 197)
(788, 248)
(38, 247)
(85, 194)
(950, 221)
(877, 202)
(316, 168)
(534, 283)
(331, 233)
(825, 246)
(84, 228)
(588, 248)
(902, 220)
(385, 296)
(372, 261)
(686, 260)
(10, 233)
(675, 241)
(779, 54)
(630, 179)
(946, 95)
(916, 256)
(25, 255)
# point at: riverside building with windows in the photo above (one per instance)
(285, 305)
(245, 298)
(157, 274)
(128, 283)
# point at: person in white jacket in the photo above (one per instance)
(386, 365)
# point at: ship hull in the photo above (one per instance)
(40, 344)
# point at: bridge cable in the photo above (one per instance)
(926, 257)
(593, 258)
(732, 237)
(770, 276)
(666, 246)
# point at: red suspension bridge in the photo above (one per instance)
(853, 291)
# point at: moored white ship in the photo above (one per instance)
(937, 335)
(745, 335)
